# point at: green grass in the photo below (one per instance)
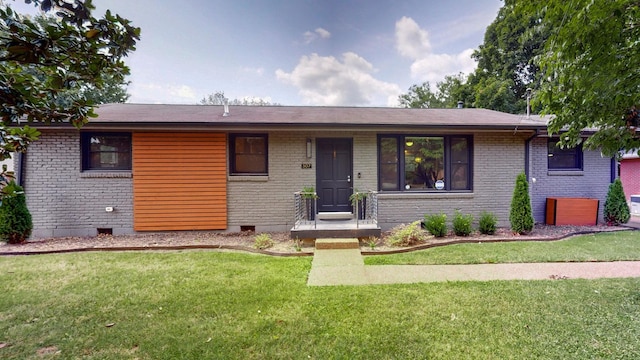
(611, 246)
(220, 305)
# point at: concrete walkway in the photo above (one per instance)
(346, 267)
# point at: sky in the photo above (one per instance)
(296, 52)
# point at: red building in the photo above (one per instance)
(630, 174)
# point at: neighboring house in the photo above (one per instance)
(630, 174)
(142, 168)
(8, 163)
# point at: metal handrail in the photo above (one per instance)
(305, 205)
(369, 203)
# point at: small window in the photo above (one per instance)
(106, 151)
(563, 158)
(248, 154)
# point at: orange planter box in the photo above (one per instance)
(572, 211)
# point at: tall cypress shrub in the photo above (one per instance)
(15, 219)
(521, 216)
(616, 209)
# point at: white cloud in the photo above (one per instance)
(325, 80)
(162, 93)
(434, 67)
(413, 42)
(323, 33)
(311, 36)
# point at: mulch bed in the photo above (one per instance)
(283, 244)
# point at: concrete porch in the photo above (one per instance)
(362, 222)
(349, 228)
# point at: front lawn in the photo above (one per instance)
(606, 246)
(217, 305)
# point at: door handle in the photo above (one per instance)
(349, 178)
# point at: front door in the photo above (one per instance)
(334, 174)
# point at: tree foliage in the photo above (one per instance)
(506, 67)
(616, 209)
(591, 70)
(448, 92)
(218, 98)
(47, 67)
(15, 219)
(506, 60)
(112, 90)
(521, 216)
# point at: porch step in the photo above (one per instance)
(335, 216)
(337, 243)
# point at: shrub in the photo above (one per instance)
(436, 224)
(263, 241)
(462, 224)
(521, 217)
(406, 235)
(616, 209)
(15, 219)
(487, 223)
(372, 242)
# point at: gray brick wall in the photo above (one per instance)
(65, 202)
(592, 182)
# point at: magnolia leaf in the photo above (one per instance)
(91, 33)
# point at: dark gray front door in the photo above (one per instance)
(333, 174)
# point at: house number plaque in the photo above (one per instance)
(306, 166)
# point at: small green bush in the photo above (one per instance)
(263, 241)
(436, 224)
(521, 216)
(616, 209)
(462, 224)
(488, 223)
(406, 235)
(15, 219)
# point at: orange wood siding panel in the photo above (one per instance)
(572, 211)
(179, 181)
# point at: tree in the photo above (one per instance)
(521, 216)
(15, 219)
(506, 67)
(448, 92)
(591, 70)
(112, 90)
(495, 94)
(506, 60)
(46, 67)
(218, 98)
(616, 209)
(420, 96)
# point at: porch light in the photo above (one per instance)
(309, 153)
(409, 143)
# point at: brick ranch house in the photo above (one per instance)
(139, 168)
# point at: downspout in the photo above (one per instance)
(19, 167)
(527, 151)
(614, 169)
